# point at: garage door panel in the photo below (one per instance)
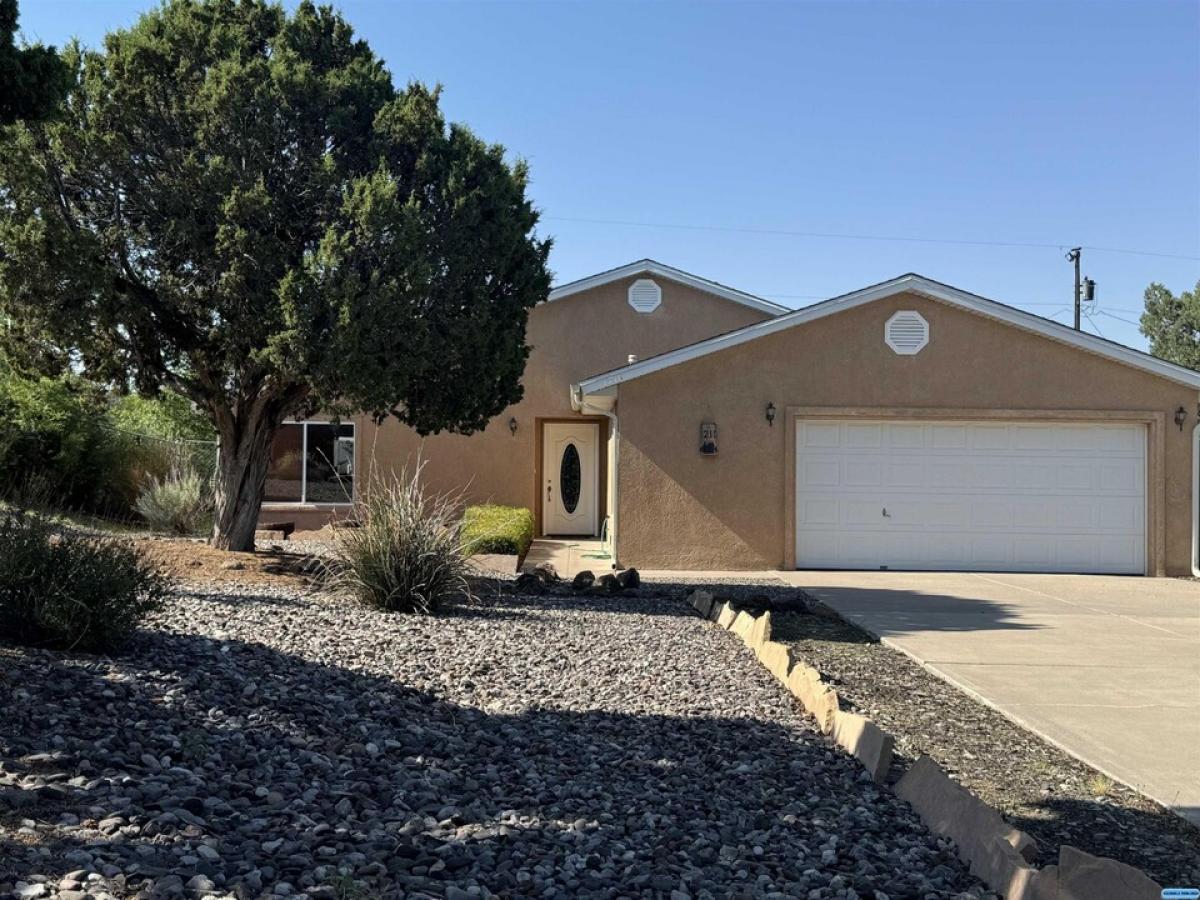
(989, 437)
(898, 473)
(820, 473)
(863, 472)
(858, 436)
(911, 437)
(985, 496)
(1034, 437)
(948, 437)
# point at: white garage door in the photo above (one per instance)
(971, 496)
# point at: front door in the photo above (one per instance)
(570, 453)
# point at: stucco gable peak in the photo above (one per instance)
(910, 282)
(653, 268)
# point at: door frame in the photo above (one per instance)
(539, 455)
(1153, 420)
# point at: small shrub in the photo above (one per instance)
(179, 501)
(69, 591)
(405, 555)
(497, 529)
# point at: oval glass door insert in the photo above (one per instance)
(569, 478)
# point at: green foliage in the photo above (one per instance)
(69, 591)
(54, 447)
(1173, 324)
(406, 553)
(65, 445)
(169, 416)
(497, 529)
(238, 204)
(34, 78)
(179, 501)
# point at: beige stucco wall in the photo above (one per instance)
(571, 338)
(683, 511)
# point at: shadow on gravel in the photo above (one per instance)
(1083, 823)
(654, 598)
(186, 737)
(240, 598)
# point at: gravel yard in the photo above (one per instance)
(1042, 790)
(264, 738)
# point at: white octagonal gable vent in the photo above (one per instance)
(645, 295)
(906, 332)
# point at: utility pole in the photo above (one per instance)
(1085, 289)
(1073, 256)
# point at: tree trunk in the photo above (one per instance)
(242, 460)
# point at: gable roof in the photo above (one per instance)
(652, 267)
(910, 283)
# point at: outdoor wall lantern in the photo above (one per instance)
(512, 425)
(1180, 417)
(771, 414)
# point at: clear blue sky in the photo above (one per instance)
(1048, 123)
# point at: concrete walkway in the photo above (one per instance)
(1107, 668)
(569, 555)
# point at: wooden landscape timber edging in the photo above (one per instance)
(998, 854)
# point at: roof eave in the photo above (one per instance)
(911, 283)
(652, 267)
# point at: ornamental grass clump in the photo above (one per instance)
(180, 501)
(405, 552)
(66, 590)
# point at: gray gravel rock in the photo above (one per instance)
(273, 742)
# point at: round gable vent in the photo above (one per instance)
(645, 295)
(906, 332)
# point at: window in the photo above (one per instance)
(311, 462)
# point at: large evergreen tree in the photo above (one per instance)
(238, 205)
(32, 79)
(1173, 324)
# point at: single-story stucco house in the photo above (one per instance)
(907, 425)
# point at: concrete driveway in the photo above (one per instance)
(1107, 668)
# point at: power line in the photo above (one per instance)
(1118, 318)
(834, 235)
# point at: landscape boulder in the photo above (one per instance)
(530, 583)
(607, 584)
(583, 580)
(702, 602)
(630, 579)
(1082, 876)
(547, 573)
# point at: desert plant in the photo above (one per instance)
(179, 501)
(491, 528)
(66, 590)
(405, 553)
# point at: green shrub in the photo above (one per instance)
(52, 431)
(405, 553)
(179, 501)
(67, 444)
(497, 529)
(69, 591)
(169, 416)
